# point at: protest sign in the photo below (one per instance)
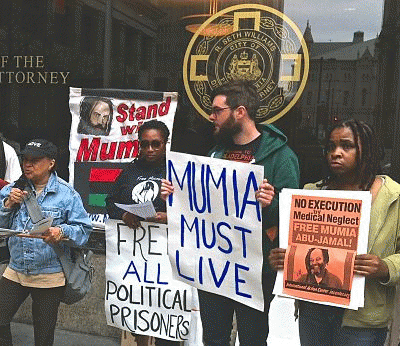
(104, 131)
(215, 228)
(141, 296)
(323, 231)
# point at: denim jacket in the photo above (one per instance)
(64, 204)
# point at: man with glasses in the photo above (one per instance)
(96, 116)
(239, 138)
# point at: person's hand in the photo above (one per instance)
(161, 217)
(276, 258)
(53, 235)
(132, 221)
(16, 197)
(166, 189)
(371, 266)
(265, 193)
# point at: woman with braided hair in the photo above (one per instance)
(353, 155)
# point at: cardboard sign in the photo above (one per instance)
(215, 227)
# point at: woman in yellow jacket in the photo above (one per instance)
(353, 155)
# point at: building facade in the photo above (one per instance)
(342, 82)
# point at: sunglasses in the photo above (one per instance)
(156, 144)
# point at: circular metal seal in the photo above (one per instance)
(261, 45)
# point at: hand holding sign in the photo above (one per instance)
(166, 189)
(277, 258)
(265, 193)
(371, 266)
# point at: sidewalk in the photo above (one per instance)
(23, 336)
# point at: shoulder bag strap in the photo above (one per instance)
(32, 205)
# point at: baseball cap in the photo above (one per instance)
(40, 148)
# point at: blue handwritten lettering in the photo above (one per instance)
(251, 180)
(178, 268)
(238, 280)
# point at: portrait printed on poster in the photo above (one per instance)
(323, 236)
(96, 114)
(320, 273)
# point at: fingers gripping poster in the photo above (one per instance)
(324, 231)
(215, 230)
(141, 295)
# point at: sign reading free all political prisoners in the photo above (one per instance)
(215, 230)
(141, 295)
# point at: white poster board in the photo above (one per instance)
(215, 228)
(141, 296)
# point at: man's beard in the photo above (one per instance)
(226, 131)
(319, 270)
(88, 128)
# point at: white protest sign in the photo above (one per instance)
(105, 122)
(215, 228)
(141, 296)
(104, 133)
(323, 219)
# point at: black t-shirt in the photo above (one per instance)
(139, 182)
(243, 152)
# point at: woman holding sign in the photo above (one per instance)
(139, 183)
(353, 155)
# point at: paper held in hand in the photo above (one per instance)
(41, 226)
(144, 210)
(5, 232)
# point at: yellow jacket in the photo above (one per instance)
(384, 242)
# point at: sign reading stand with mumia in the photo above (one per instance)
(104, 137)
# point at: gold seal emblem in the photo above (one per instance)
(261, 45)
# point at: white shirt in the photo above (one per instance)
(13, 168)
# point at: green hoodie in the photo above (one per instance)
(281, 168)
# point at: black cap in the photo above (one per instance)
(40, 148)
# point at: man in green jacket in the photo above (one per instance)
(239, 138)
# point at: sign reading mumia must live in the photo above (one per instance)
(248, 42)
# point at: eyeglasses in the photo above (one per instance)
(156, 144)
(217, 111)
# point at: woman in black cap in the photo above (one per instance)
(34, 267)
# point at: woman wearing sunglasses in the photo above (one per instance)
(140, 182)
